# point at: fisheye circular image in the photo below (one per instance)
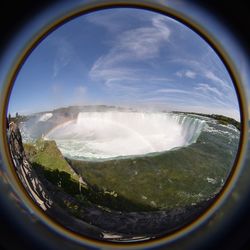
(123, 125)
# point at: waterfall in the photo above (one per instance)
(191, 127)
(120, 133)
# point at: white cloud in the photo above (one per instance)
(211, 76)
(203, 68)
(200, 95)
(204, 87)
(190, 74)
(145, 42)
(132, 46)
(161, 79)
(186, 73)
(193, 96)
(178, 91)
(64, 54)
(104, 20)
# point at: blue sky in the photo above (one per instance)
(124, 57)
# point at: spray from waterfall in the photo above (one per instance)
(113, 133)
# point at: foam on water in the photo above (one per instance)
(114, 133)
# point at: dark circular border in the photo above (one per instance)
(161, 9)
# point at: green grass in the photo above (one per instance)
(46, 154)
(49, 163)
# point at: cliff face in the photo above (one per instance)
(26, 174)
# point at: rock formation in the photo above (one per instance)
(26, 174)
(38, 190)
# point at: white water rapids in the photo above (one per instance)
(113, 133)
